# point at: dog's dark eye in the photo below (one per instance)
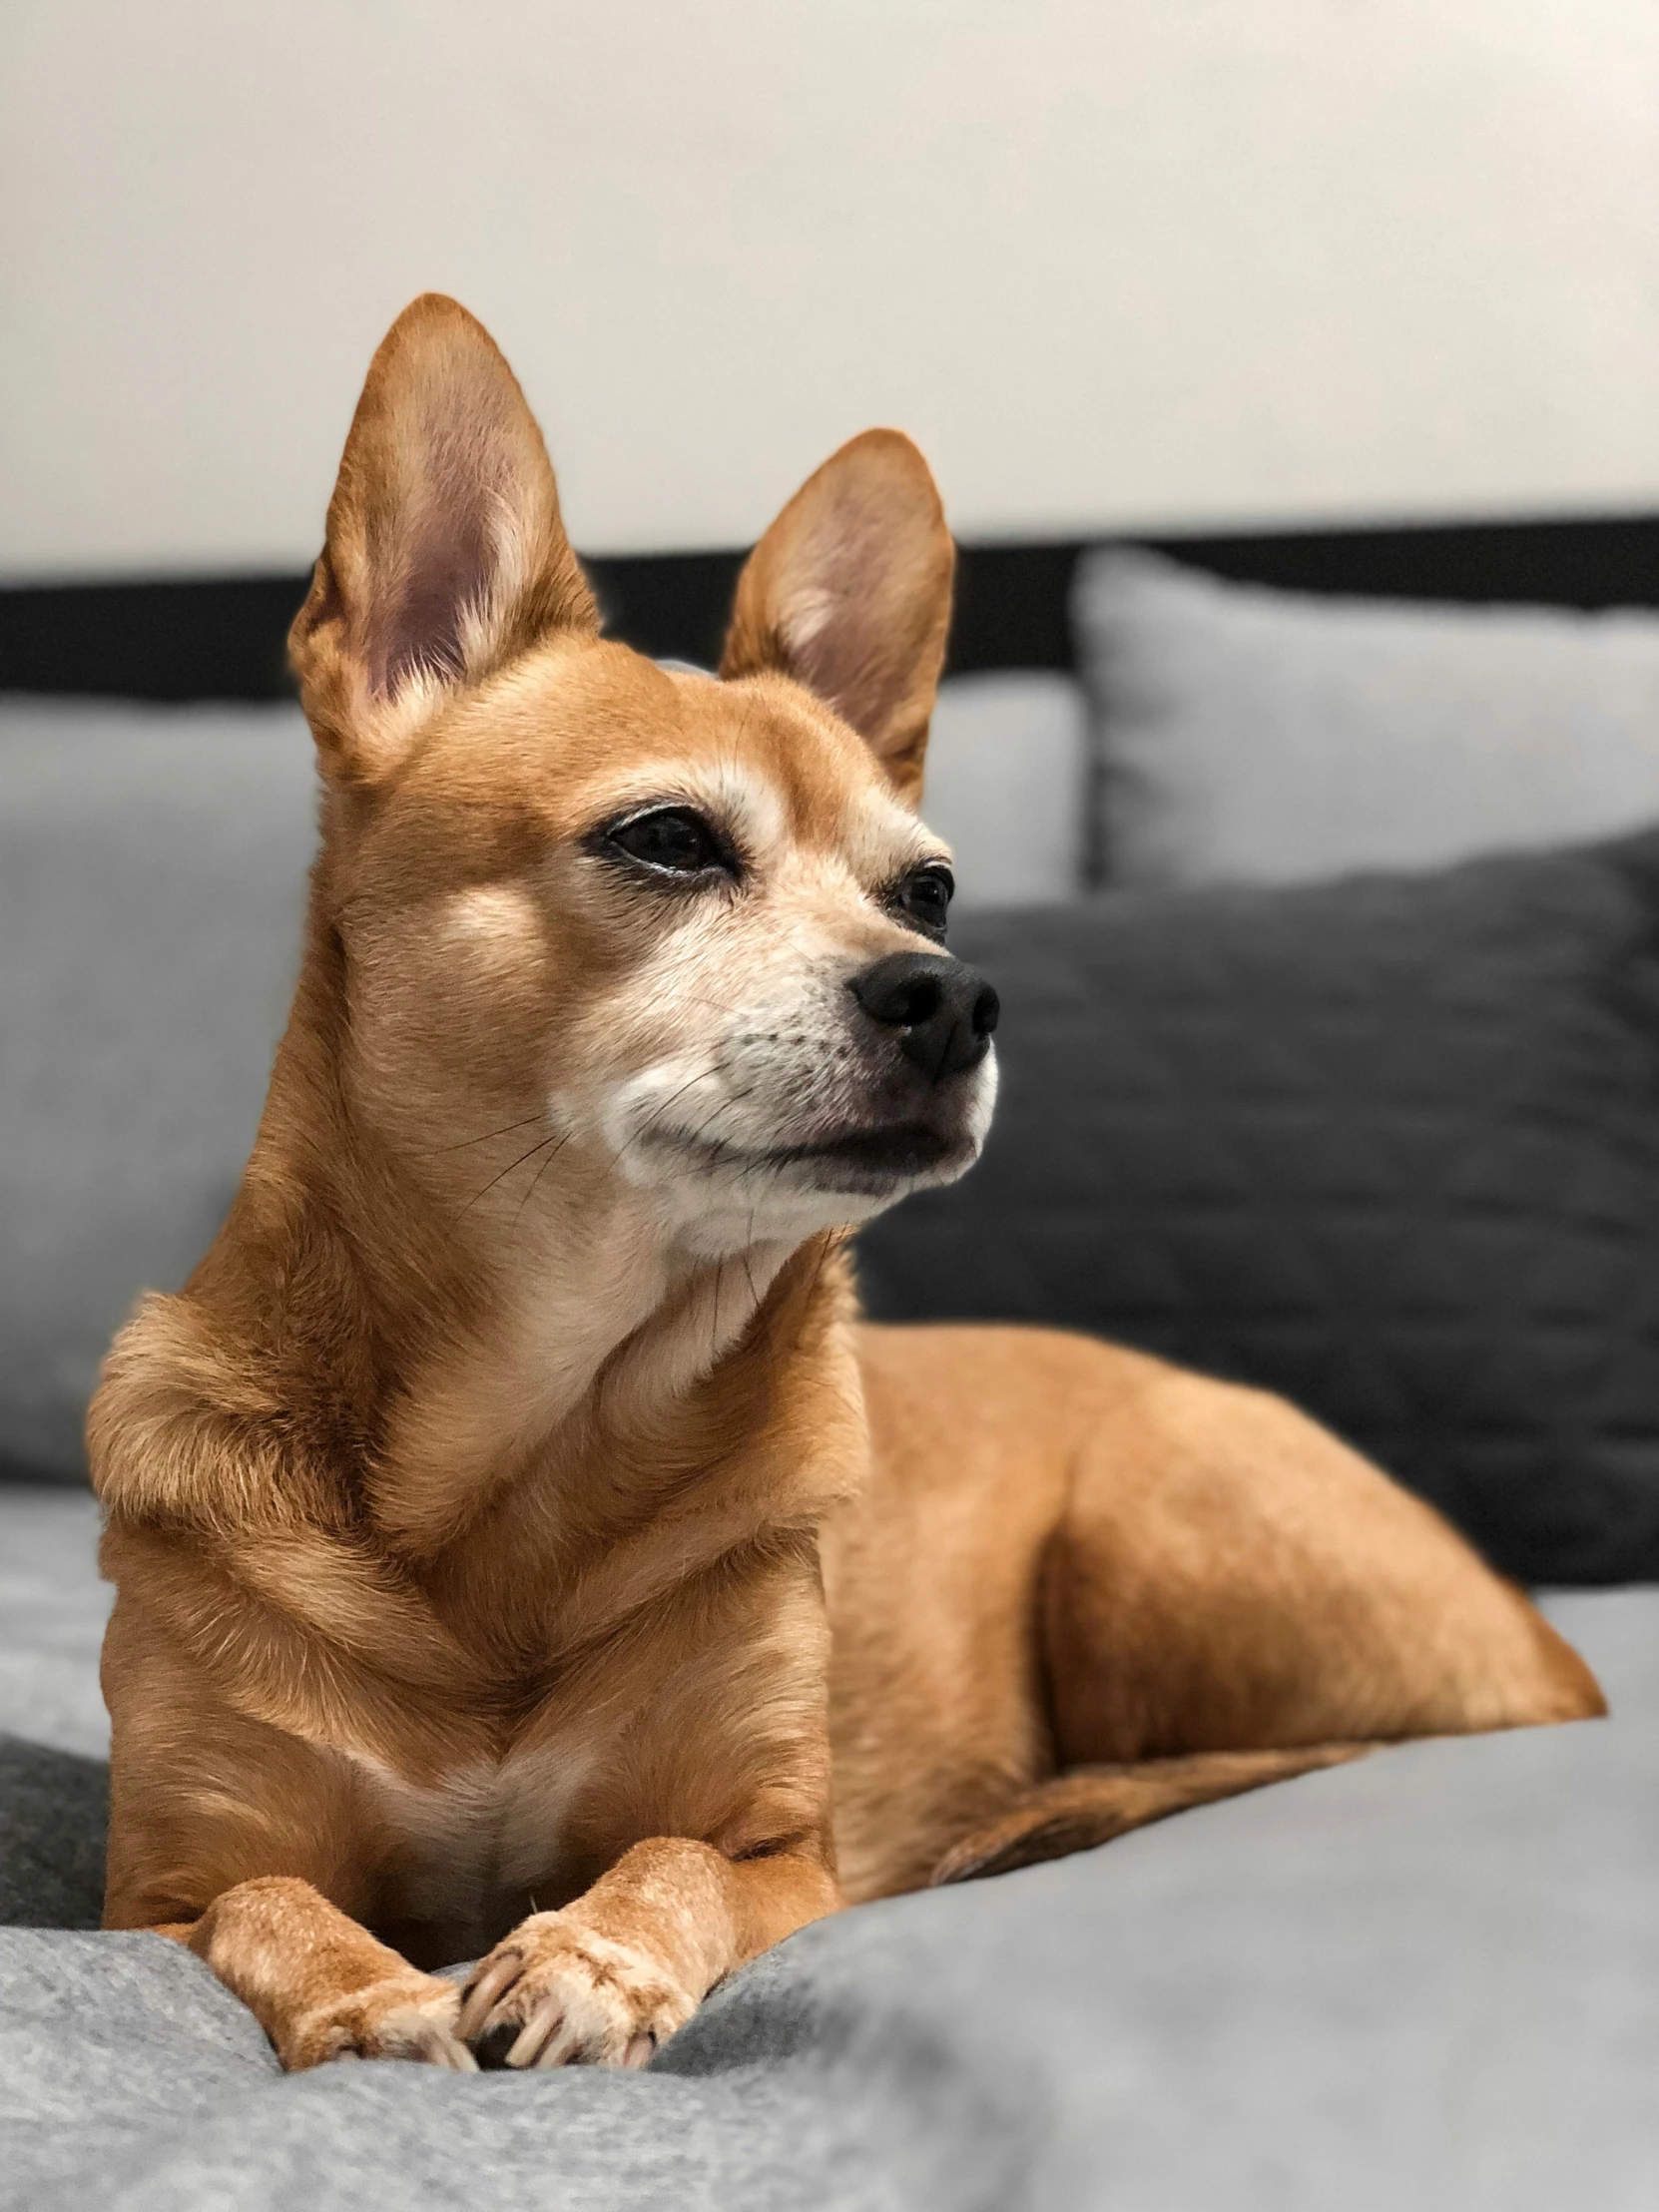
(925, 896)
(672, 839)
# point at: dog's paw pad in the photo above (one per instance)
(490, 2048)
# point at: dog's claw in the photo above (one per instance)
(408, 2017)
(440, 2048)
(558, 1994)
(492, 1979)
(563, 2050)
(536, 2032)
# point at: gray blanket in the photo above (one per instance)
(1430, 1981)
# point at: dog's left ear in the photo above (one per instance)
(849, 592)
(446, 555)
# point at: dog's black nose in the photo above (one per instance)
(946, 1009)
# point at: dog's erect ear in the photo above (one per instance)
(444, 554)
(849, 592)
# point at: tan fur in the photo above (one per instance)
(517, 1541)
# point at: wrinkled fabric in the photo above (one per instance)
(1430, 1981)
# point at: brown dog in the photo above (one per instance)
(517, 1541)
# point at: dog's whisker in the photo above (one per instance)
(507, 1171)
(715, 1067)
(824, 1240)
(736, 1098)
(535, 1180)
(749, 1272)
(432, 1152)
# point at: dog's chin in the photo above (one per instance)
(724, 1198)
(874, 1165)
(796, 1164)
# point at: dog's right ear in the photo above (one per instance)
(444, 553)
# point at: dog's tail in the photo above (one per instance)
(1090, 1805)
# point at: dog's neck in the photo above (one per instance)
(591, 1341)
(511, 1337)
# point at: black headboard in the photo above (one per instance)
(222, 637)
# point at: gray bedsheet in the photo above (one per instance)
(1431, 1981)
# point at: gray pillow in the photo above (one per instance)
(1254, 736)
(152, 880)
(1007, 763)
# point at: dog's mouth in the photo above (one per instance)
(783, 1142)
(865, 1161)
(897, 1153)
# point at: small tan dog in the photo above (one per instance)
(517, 1541)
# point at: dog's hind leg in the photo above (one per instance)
(1232, 1597)
(1228, 1578)
(1091, 1804)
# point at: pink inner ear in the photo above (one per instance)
(422, 629)
(435, 562)
(832, 627)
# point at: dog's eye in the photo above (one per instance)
(672, 839)
(925, 896)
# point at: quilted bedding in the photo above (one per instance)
(1431, 1979)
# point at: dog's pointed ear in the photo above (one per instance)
(444, 554)
(849, 592)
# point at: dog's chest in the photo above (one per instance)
(471, 1851)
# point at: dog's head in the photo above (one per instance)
(599, 918)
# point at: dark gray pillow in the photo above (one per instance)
(1388, 1145)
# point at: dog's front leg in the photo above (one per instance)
(319, 1984)
(610, 1978)
(236, 1839)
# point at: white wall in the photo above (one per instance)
(1110, 260)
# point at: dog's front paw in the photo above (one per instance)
(552, 1994)
(408, 2015)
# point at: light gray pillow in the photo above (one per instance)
(152, 884)
(1269, 737)
(1006, 786)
